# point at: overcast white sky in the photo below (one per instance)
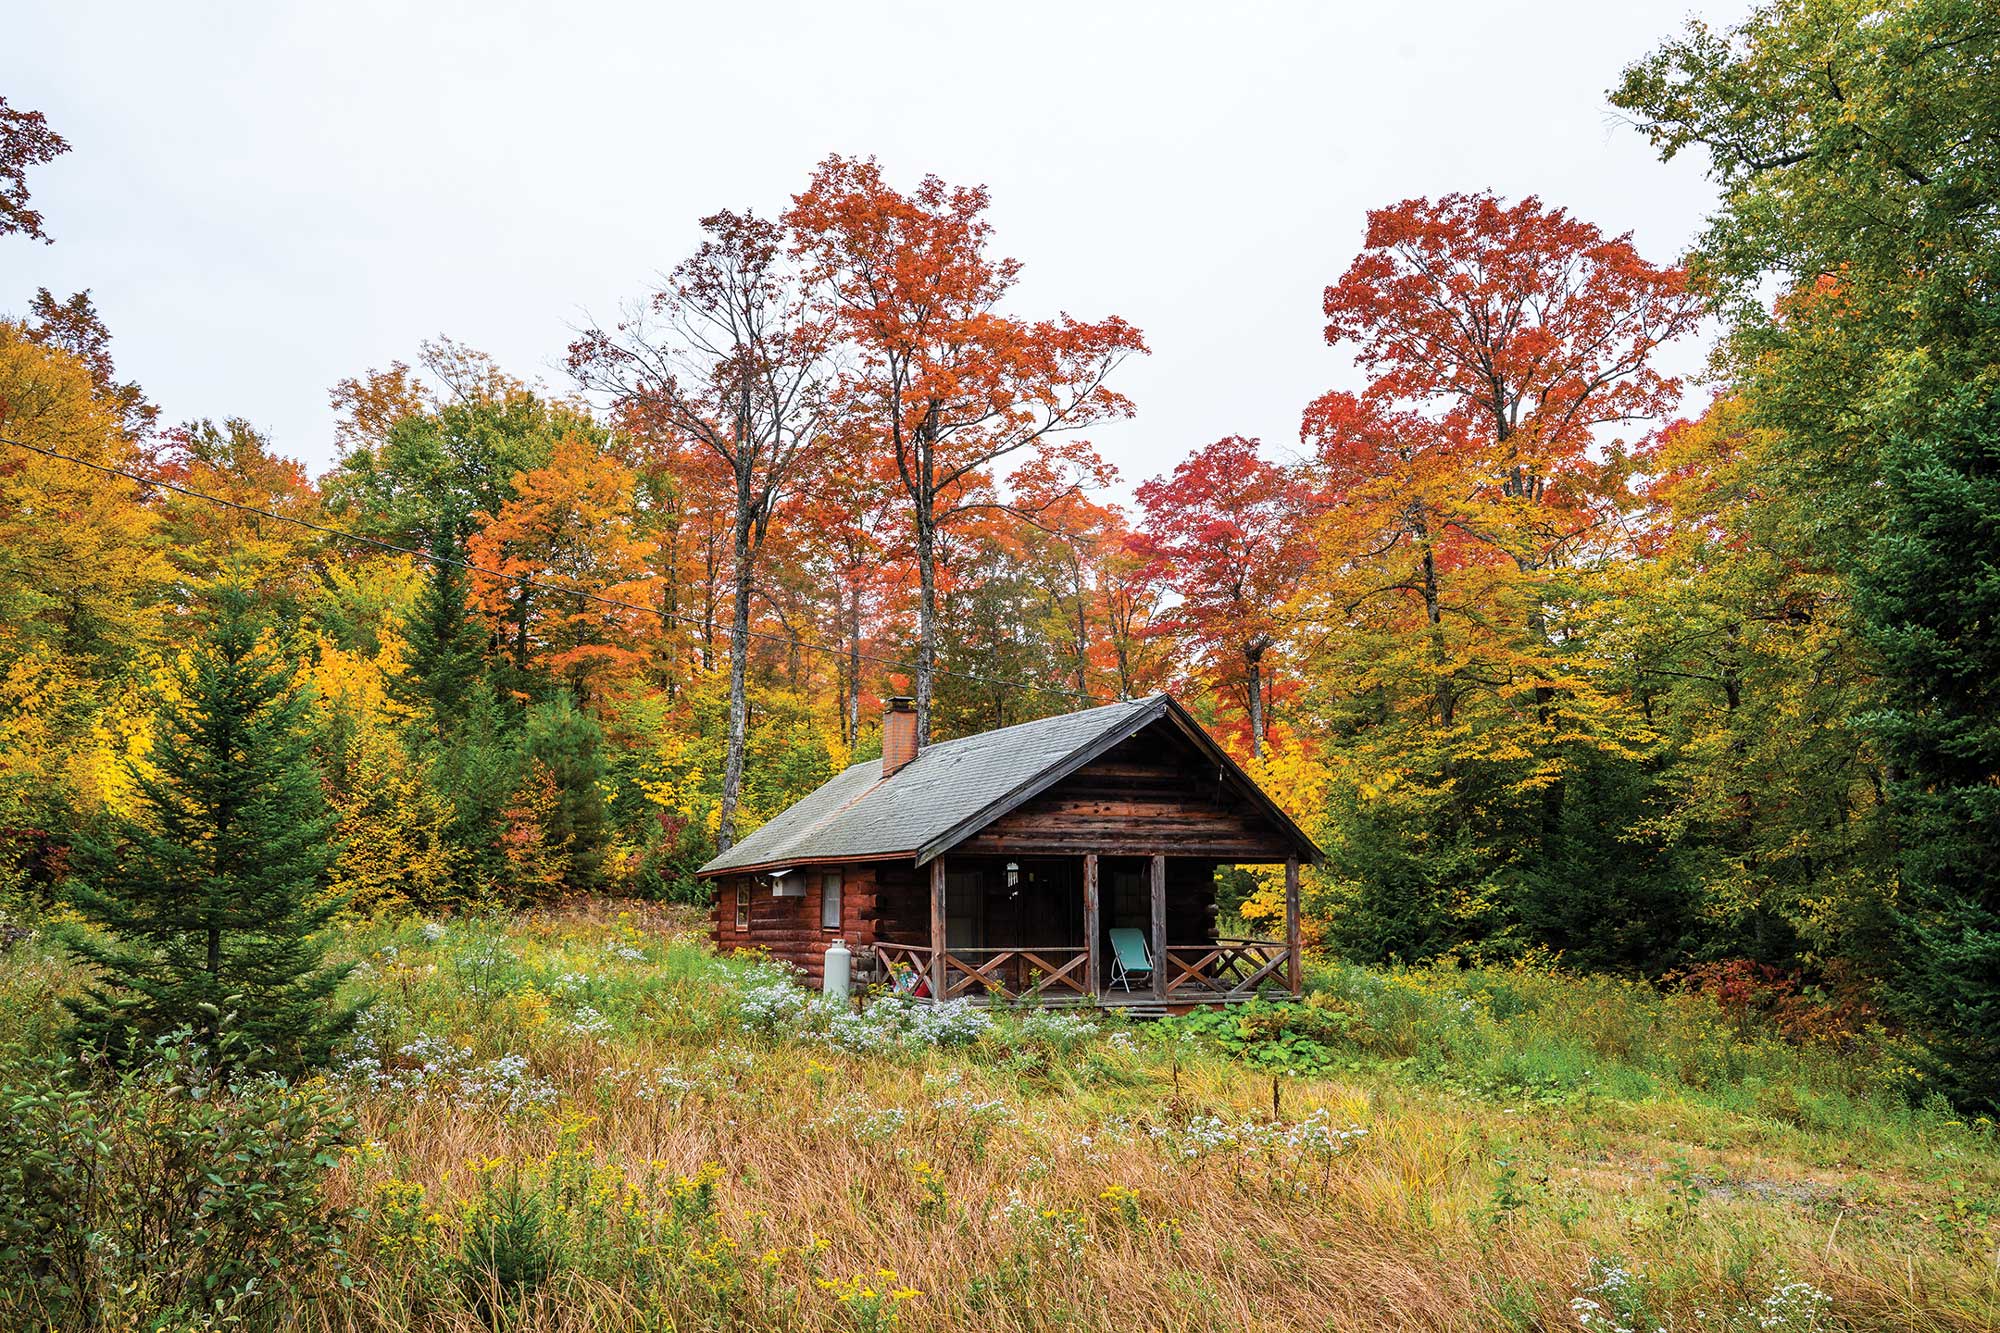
(265, 198)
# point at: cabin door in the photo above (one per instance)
(1126, 891)
(964, 909)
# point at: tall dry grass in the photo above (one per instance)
(1031, 1180)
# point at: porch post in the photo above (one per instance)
(1159, 927)
(937, 929)
(1090, 923)
(1292, 978)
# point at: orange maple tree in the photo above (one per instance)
(851, 531)
(1515, 335)
(950, 383)
(1133, 589)
(1483, 467)
(212, 544)
(567, 530)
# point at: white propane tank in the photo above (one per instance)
(839, 968)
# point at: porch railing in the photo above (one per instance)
(903, 965)
(1009, 973)
(1232, 967)
(1228, 968)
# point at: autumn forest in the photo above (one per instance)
(1557, 655)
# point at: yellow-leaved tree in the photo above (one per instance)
(80, 584)
(394, 852)
(78, 571)
(1302, 784)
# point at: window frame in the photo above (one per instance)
(835, 883)
(743, 907)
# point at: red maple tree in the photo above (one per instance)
(1515, 335)
(1232, 531)
(25, 141)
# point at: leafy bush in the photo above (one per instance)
(164, 1198)
(1748, 991)
(1052, 1031)
(1296, 1038)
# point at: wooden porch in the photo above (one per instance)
(1059, 957)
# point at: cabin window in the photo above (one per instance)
(829, 900)
(742, 907)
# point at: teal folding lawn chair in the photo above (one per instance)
(1129, 957)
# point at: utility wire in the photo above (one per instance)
(516, 581)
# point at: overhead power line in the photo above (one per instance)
(516, 581)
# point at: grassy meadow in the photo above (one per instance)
(588, 1120)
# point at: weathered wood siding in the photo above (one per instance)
(1153, 793)
(902, 902)
(789, 928)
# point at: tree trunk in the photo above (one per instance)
(521, 631)
(926, 618)
(1254, 662)
(853, 665)
(1443, 702)
(213, 1022)
(1082, 641)
(739, 667)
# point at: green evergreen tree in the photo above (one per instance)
(447, 648)
(1932, 603)
(208, 901)
(476, 767)
(570, 744)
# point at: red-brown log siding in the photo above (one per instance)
(789, 928)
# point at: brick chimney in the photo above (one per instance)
(899, 734)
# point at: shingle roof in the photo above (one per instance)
(861, 815)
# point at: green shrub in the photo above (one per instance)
(164, 1198)
(1295, 1038)
(508, 1250)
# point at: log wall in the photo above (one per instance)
(789, 928)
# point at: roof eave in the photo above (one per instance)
(1160, 706)
(800, 862)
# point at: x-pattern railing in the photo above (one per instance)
(914, 960)
(1043, 969)
(1231, 966)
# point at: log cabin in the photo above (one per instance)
(997, 867)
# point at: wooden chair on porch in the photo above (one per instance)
(1129, 957)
